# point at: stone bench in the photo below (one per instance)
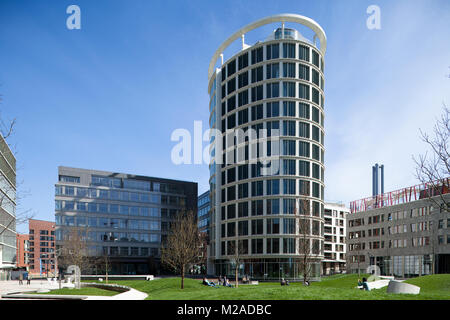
(254, 282)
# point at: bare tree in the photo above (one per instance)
(73, 249)
(104, 264)
(434, 170)
(183, 245)
(236, 252)
(304, 228)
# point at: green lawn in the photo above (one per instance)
(86, 291)
(338, 287)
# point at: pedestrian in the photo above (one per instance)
(21, 278)
(28, 279)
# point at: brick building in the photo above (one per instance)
(41, 257)
(22, 243)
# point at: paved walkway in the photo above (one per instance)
(13, 286)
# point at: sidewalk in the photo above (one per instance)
(13, 286)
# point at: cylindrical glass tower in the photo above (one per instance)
(267, 101)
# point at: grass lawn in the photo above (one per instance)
(86, 291)
(338, 287)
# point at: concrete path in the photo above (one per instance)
(9, 287)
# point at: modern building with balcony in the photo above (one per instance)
(334, 249)
(7, 210)
(267, 154)
(124, 217)
(406, 233)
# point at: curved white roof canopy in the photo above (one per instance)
(287, 17)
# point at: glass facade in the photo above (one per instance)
(123, 216)
(282, 87)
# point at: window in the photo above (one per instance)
(303, 53)
(315, 77)
(257, 188)
(303, 130)
(243, 190)
(273, 71)
(289, 128)
(288, 70)
(69, 179)
(273, 109)
(242, 116)
(243, 79)
(315, 114)
(273, 51)
(242, 209)
(257, 74)
(273, 206)
(273, 226)
(289, 50)
(315, 95)
(257, 112)
(315, 133)
(303, 110)
(243, 61)
(231, 229)
(304, 149)
(304, 168)
(288, 225)
(257, 226)
(303, 91)
(273, 245)
(257, 93)
(273, 90)
(288, 167)
(289, 186)
(243, 228)
(289, 89)
(316, 152)
(231, 68)
(303, 72)
(315, 58)
(243, 98)
(257, 246)
(288, 206)
(288, 245)
(273, 186)
(257, 208)
(289, 148)
(257, 55)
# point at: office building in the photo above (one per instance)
(272, 94)
(7, 210)
(22, 255)
(334, 249)
(203, 216)
(123, 216)
(404, 232)
(41, 248)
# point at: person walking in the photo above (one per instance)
(21, 278)
(28, 279)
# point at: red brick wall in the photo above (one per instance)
(36, 226)
(20, 241)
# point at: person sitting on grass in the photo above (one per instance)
(207, 283)
(365, 284)
(360, 284)
(228, 284)
(283, 282)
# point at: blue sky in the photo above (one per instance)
(108, 96)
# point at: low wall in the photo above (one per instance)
(104, 286)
